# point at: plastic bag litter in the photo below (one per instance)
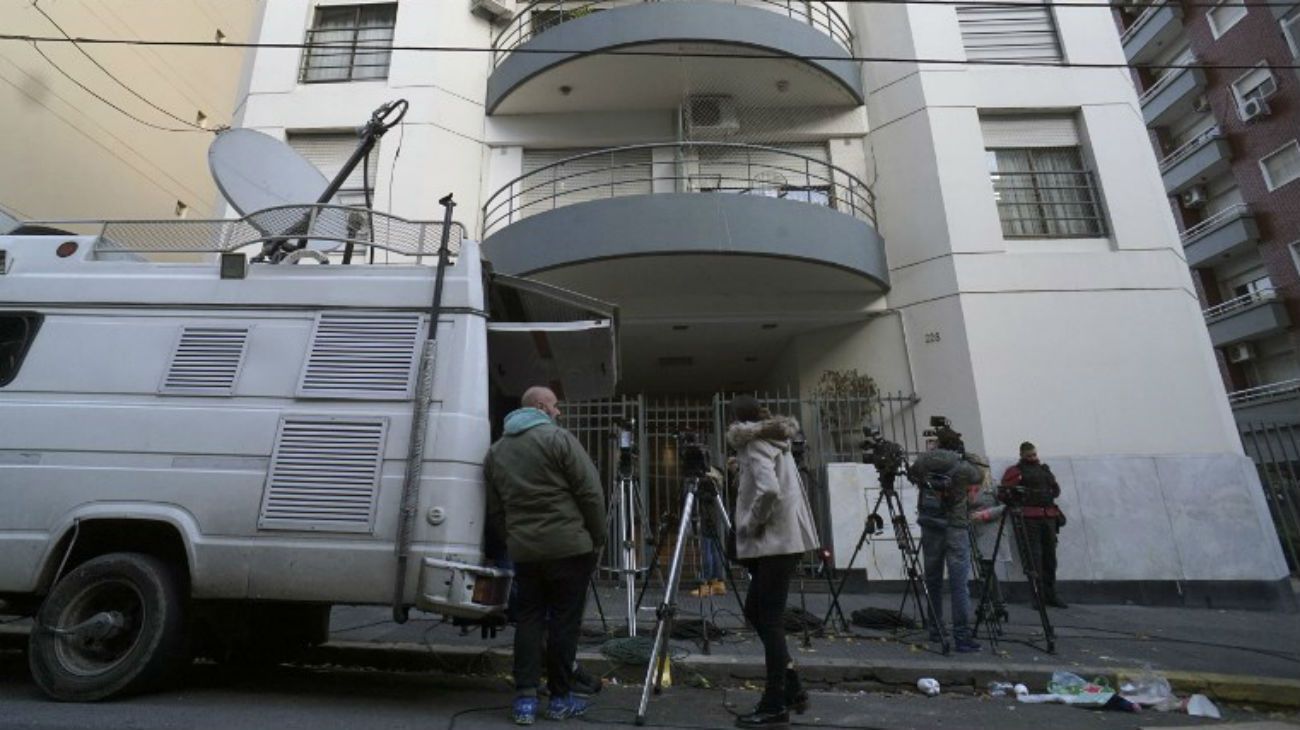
(1068, 688)
(928, 686)
(1201, 706)
(1150, 690)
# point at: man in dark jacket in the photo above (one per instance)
(545, 496)
(944, 482)
(1042, 516)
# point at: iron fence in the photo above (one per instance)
(1275, 448)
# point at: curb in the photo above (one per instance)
(840, 674)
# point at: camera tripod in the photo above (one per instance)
(986, 611)
(700, 493)
(916, 587)
(993, 613)
(626, 514)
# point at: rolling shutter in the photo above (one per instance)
(328, 151)
(324, 474)
(599, 176)
(741, 168)
(1009, 33)
(1029, 131)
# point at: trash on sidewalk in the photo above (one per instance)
(928, 686)
(1150, 689)
(1119, 704)
(1201, 706)
(1000, 689)
(1068, 688)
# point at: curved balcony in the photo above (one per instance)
(693, 226)
(649, 54)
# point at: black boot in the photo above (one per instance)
(765, 715)
(796, 697)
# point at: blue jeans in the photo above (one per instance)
(950, 546)
(714, 565)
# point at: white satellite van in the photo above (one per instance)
(195, 449)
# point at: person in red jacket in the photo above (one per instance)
(1042, 517)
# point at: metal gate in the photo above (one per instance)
(832, 428)
(1275, 448)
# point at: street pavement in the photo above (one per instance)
(290, 698)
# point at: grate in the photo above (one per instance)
(362, 356)
(324, 474)
(206, 360)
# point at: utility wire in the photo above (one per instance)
(100, 66)
(652, 53)
(115, 107)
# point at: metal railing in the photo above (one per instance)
(1275, 449)
(538, 17)
(1209, 224)
(1219, 311)
(1057, 204)
(1166, 79)
(775, 173)
(1260, 392)
(1188, 148)
(1140, 21)
(333, 225)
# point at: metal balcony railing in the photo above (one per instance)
(1214, 221)
(1285, 387)
(1188, 148)
(1167, 78)
(695, 167)
(1219, 311)
(537, 17)
(1141, 20)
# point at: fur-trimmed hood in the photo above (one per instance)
(777, 430)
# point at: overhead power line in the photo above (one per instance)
(100, 66)
(654, 53)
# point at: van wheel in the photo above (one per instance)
(112, 626)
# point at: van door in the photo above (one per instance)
(540, 334)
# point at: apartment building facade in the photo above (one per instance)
(764, 206)
(67, 153)
(1227, 137)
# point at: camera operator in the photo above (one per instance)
(1031, 483)
(944, 480)
(774, 528)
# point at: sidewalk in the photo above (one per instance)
(1240, 656)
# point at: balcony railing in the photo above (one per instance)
(1219, 311)
(1187, 149)
(1142, 19)
(1214, 221)
(534, 19)
(1272, 390)
(1167, 78)
(694, 167)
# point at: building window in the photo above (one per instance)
(17, 330)
(1023, 32)
(350, 43)
(1257, 83)
(1291, 30)
(1282, 166)
(328, 151)
(1224, 15)
(1042, 187)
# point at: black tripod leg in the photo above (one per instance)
(915, 575)
(600, 610)
(986, 611)
(1035, 580)
(848, 569)
(664, 523)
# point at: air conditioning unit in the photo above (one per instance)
(1240, 352)
(1254, 108)
(1201, 104)
(1195, 197)
(711, 116)
(497, 11)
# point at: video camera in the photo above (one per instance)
(693, 454)
(625, 431)
(887, 456)
(945, 435)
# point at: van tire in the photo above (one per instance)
(145, 647)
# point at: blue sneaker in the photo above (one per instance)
(571, 705)
(525, 710)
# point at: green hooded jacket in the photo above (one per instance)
(544, 494)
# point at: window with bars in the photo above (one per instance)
(350, 43)
(1041, 184)
(1019, 30)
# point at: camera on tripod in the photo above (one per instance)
(692, 454)
(945, 436)
(887, 456)
(625, 431)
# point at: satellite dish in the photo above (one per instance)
(255, 171)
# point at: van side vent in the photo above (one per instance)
(324, 474)
(206, 361)
(362, 356)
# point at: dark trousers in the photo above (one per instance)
(1041, 536)
(552, 594)
(948, 546)
(769, 589)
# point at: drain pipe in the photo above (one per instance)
(907, 349)
(420, 422)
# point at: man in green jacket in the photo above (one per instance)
(545, 496)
